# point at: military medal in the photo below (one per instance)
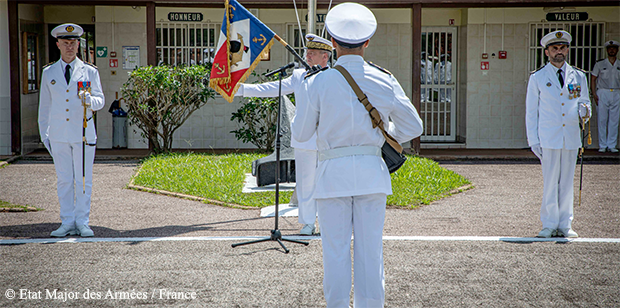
(571, 91)
(53, 82)
(578, 92)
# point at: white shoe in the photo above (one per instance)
(63, 231)
(567, 232)
(307, 230)
(85, 231)
(547, 233)
(613, 150)
(602, 150)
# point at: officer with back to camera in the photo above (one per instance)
(352, 180)
(61, 118)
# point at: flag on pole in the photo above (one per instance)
(243, 40)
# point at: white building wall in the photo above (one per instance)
(5, 81)
(496, 98)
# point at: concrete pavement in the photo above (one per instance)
(419, 273)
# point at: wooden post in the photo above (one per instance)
(151, 40)
(416, 57)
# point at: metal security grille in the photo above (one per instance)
(585, 49)
(187, 43)
(438, 84)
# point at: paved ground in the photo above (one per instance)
(419, 273)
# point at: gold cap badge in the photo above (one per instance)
(69, 28)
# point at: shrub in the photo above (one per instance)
(161, 98)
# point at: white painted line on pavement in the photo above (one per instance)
(306, 238)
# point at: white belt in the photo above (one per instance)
(349, 151)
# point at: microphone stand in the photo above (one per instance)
(276, 235)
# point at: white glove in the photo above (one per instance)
(537, 150)
(584, 112)
(239, 91)
(86, 96)
(48, 146)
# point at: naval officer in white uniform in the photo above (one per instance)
(606, 93)
(557, 100)
(352, 180)
(61, 116)
(318, 52)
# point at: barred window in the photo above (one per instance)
(188, 43)
(585, 49)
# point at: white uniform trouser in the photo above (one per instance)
(74, 204)
(558, 167)
(305, 169)
(608, 117)
(365, 216)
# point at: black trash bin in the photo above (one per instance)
(119, 125)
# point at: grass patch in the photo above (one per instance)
(220, 177)
(10, 207)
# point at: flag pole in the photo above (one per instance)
(291, 50)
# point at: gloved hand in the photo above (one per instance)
(239, 91)
(86, 96)
(584, 112)
(48, 146)
(537, 151)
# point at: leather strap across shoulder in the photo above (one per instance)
(374, 114)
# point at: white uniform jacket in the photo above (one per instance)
(327, 100)
(271, 89)
(552, 112)
(607, 74)
(61, 112)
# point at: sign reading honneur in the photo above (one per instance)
(172, 16)
(572, 16)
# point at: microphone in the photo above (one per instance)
(282, 69)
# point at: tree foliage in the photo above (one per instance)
(257, 118)
(161, 98)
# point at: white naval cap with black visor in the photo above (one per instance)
(555, 38)
(67, 31)
(612, 43)
(350, 24)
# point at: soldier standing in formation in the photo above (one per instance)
(606, 93)
(61, 118)
(557, 98)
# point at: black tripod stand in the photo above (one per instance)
(276, 235)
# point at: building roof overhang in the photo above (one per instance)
(325, 3)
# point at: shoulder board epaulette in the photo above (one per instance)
(379, 67)
(314, 72)
(538, 69)
(600, 60)
(90, 64)
(580, 69)
(46, 65)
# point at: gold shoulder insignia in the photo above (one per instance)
(315, 72)
(379, 67)
(46, 65)
(90, 64)
(580, 69)
(538, 69)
